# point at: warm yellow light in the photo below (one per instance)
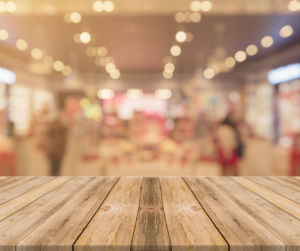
(180, 36)
(196, 17)
(293, 5)
(189, 37)
(110, 67)
(85, 37)
(36, 53)
(240, 56)
(2, 6)
(109, 6)
(48, 60)
(179, 17)
(169, 67)
(67, 70)
(230, 62)
(206, 6)
(195, 6)
(11, 6)
(163, 94)
(175, 50)
(134, 94)
(98, 6)
(58, 66)
(286, 31)
(67, 18)
(216, 69)
(102, 51)
(267, 41)
(3, 34)
(75, 17)
(252, 50)
(22, 45)
(167, 75)
(105, 94)
(209, 73)
(115, 74)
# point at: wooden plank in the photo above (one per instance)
(188, 225)
(289, 192)
(22, 186)
(287, 181)
(281, 224)
(239, 229)
(151, 183)
(151, 230)
(113, 225)
(17, 226)
(3, 177)
(9, 181)
(61, 230)
(285, 204)
(16, 204)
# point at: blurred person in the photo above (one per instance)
(295, 157)
(55, 145)
(229, 146)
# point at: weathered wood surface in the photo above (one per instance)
(149, 214)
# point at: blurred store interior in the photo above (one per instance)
(152, 87)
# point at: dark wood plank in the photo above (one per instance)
(281, 224)
(61, 230)
(151, 232)
(113, 225)
(151, 183)
(188, 225)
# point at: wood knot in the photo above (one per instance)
(150, 208)
(196, 208)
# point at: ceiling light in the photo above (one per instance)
(293, 5)
(286, 31)
(180, 36)
(196, 17)
(110, 67)
(98, 6)
(251, 50)
(167, 75)
(169, 67)
(195, 6)
(206, 6)
(102, 51)
(11, 6)
(115, 74)
(267, 41)
(36, 53)
(48, 60)
(75, 17)
(2, 6)
(67, 18)
(163, 94)
(22, 45)
(175, 50)
(240, 56)
(179, 17)
(108, 6)
(189, 37)
(230, 62)
(134, 94)
(85, 37)
(209, 73)
(105, 94)
(67, 70)
(3, 34)
(58, 66)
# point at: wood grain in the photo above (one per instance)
(292, 182)
(61, 230)
(238, 228)
(113, 225)
(281, 224)
(9, 181)
(151, 232)
(188, 225)
(17, 226)
(151, 183)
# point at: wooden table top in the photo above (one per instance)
(159, 213)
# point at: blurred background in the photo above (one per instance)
(152, 87)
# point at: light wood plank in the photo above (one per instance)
(289, 192)
(285, 204)
(151, 183)
(9, 181)
(239, 229)
(3, 177)
(113, 225)
(61, 230)
(281, 224)
(17, 226)
(288, 181)
(16, 204)
(188, 225)
(151, 232)
(22, 186)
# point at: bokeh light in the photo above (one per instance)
(21, 45)
(98, 6)
(167, 75)
(11, 6)
(209, 73)
(134, 94)
(286, 31)
(251, 50)
(106, 94)
(189, 37)
(109, 6)
(175, 50)
(240, 56)
(85, 37)
(58, 66)
(75, 17)
(3, 34)
(195, 6)
(102, 51)
(206, 6)
(267, 41)
(180, 36)
(169, 67)
(36, 53)
(179, 17)
(115, 74)
(67, 70)
(2, 6)
(163, 94)
(293, 5)
(110, 67)
(195, 17)
(230, 62)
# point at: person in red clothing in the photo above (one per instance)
(295, 157)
